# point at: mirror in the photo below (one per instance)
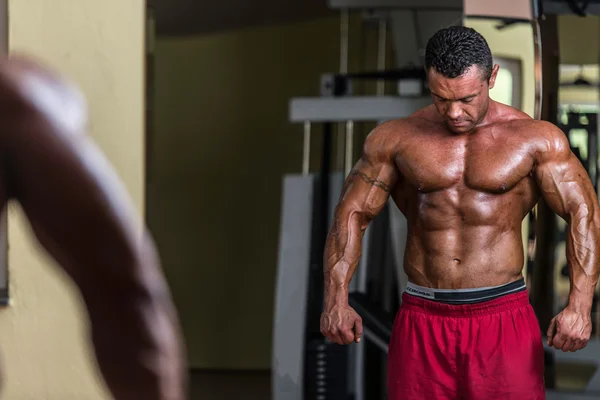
(514, 47)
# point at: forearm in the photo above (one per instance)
(135, 334)
(365, 193)
(583, 252)
(337, 278)
(342, 254)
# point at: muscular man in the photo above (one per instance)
(82, 216)
(465, 171)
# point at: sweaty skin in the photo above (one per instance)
(82, 216)
(465, 171)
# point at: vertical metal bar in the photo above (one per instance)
(340, 146)
(349, 127)
(325, 174)
(348, 156)
(543, 290)
(381, 53)
(537, 45)
(342, 142)
(306, 149)
(344, 40)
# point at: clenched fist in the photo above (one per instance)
(570, 330)
(341, 325)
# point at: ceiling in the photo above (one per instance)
(191, 17)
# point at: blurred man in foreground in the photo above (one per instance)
(82, 216)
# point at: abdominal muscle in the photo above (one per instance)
(464, 257)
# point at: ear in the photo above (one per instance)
(492, 81)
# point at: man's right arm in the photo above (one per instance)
(365, 193)
(82, 216)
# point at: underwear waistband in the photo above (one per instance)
(465, 296)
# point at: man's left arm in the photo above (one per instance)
(568, 191)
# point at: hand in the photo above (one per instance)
(570, 330)
(341, 325)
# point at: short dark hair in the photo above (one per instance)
(452, 51)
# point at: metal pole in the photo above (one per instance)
(344, 44)
(545, 33)
(344, 39)
(381, 53)
(348, 157)
(537, 45)
(306, 149)
(349, 128)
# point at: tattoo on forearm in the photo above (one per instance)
(371, 181)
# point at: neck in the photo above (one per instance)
(490, 114)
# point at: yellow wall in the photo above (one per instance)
(99, 44)
(221, 146)
(579, 39)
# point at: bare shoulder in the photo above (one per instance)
(545, 135)
(552, 143)
(28, 87)
(387, 139)
(544, 139)
(537, 132)
(389, 130)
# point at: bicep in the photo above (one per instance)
(368, 187)
(364, 194)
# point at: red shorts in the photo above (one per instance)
(485, 351)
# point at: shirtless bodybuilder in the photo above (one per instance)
(465, 171)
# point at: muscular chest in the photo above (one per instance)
(487, 163)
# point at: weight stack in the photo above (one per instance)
(326, 371)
